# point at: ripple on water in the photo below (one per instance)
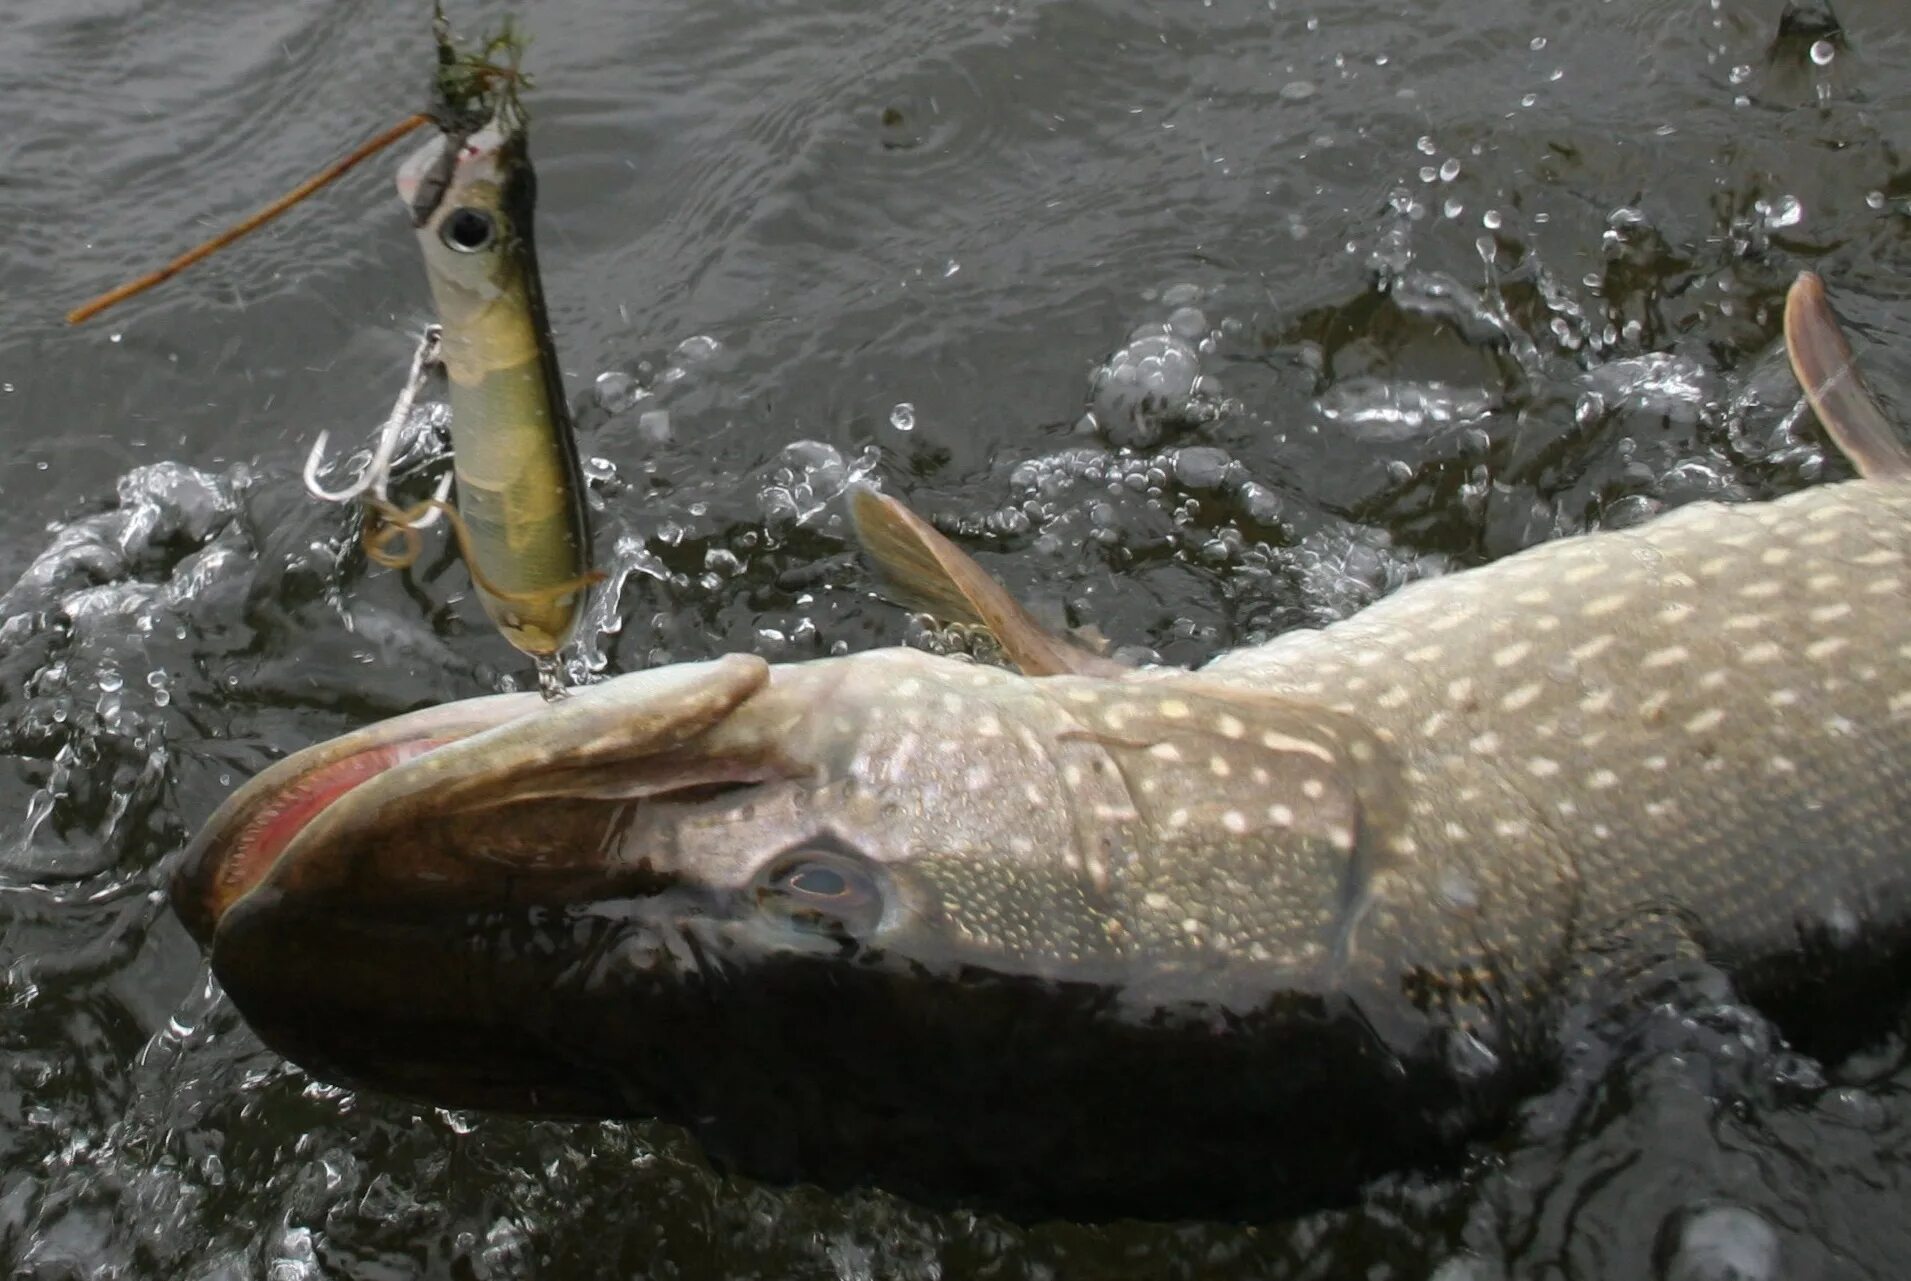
(954, 207)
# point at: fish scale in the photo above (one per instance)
(1710, 710)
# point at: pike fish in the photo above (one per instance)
(520, 488)
(1094, 941)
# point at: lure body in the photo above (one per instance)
(520, 488)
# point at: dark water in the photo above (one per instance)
(1460, 276)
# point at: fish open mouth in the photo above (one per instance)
(362, 813)
(242, 842)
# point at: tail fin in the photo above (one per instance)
(1821, 359)
(932, 572)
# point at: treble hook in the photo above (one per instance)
(377, 473)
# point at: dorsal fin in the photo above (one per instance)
(1821, 360)
(936, 575)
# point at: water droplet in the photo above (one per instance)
(457, 1122)
(903, 417)
(553, 684)
(1822, 52)
(1785, 211)
(653, 425)
(617, 391)
(1449, 170)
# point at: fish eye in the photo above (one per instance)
(467, 230)
(822, 888)
(813, 880)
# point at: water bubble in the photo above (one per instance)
(697, 348)
(1425, 145)
(1188, 323)
(506, 1254)
(1786, 211)
(1146, 387)
(1718, 1243)
(1822, 52)
(1465, 1267)
(617, 391)
(1449, 170)
(903, 417)
(1200, 466)
(1298, 90)
(297, 1258)
(1259, 503)
(1490, 220)
(653, 425)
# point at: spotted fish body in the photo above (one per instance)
(1089, 940)
(1711, 712)
(1448, 793)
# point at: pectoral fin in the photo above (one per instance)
(1821, 359)
(942, 579)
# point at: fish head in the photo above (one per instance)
(888, 917)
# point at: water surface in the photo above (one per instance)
(1199, 321)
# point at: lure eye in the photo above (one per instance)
(822, 889)
(467, 230)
